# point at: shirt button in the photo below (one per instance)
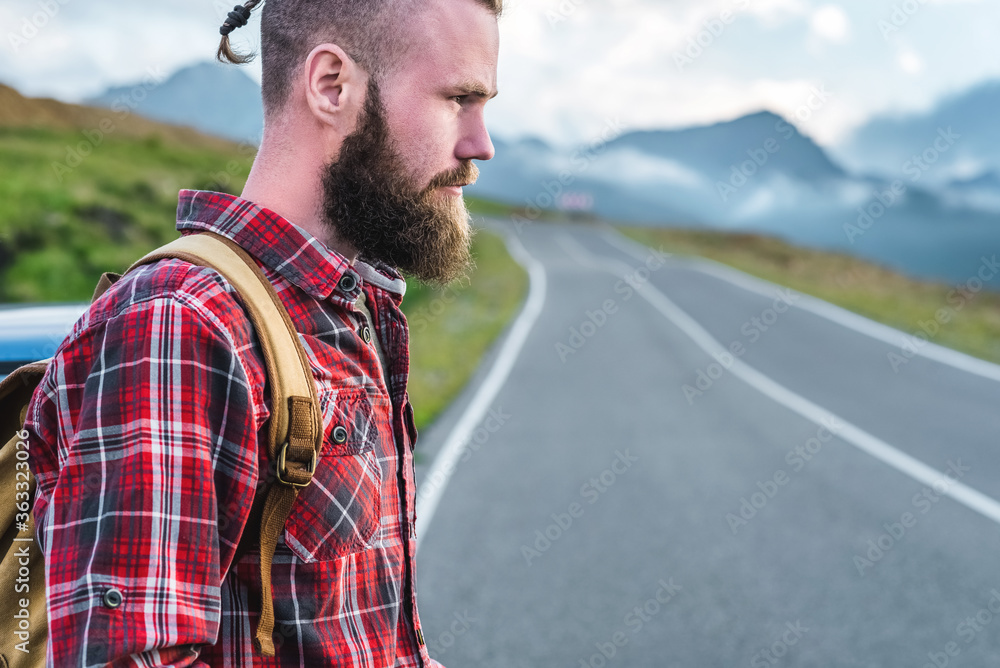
(113, 598)
(348, 282)
(339, 435)
(366, 334)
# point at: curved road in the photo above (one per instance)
(683, 466)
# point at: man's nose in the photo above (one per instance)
(475, 143)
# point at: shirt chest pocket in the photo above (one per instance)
(339, 513)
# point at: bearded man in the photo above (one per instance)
(147, 428)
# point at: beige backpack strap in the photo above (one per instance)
(295, 433)
(107, 280)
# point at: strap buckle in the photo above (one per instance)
(282, 468)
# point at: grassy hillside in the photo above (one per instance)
(61, 225)
(973, 318)
(17, 111)
(76, 200)
(84, 190)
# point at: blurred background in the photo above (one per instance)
(863, 128)
(821, 183)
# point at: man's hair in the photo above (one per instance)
(368, 30)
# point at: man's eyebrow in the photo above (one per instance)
(478, 89)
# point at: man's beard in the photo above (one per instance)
(370, 204)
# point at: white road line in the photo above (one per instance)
(850, 433)
(836, 314)
(454, 447)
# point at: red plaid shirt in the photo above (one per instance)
(147, 444)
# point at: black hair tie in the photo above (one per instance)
(238, 18)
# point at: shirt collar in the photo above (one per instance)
(280, 245)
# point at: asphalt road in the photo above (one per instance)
(633, 497)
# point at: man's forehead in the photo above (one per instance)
(455, 31)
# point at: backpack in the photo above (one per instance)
(295, 435)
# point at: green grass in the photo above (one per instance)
(865, 288)
(483, 207)
(62, 226)
(452, 328)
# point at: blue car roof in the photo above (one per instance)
(33, 332)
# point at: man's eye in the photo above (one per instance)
(460, 98)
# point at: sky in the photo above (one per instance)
(569, 68)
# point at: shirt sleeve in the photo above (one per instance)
(146, 462)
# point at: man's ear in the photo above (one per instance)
(335, 87)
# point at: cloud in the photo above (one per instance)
(910, 62)
(830, 23)
(637, 169)
(570, 66)
(83, 46)
(617, 60)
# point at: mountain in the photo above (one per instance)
(757, 173)
(213, 98)
(727, 173)
(715, 149)
(885, 144)
(536, 176)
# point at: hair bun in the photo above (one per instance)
(238, 18)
